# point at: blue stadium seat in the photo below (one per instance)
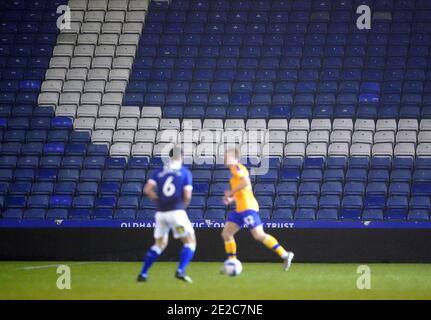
(331, 188)
(90, 175)
(198, 202)
(79, 214)
(264, 189)
(60, 201)
(358, 162)
(20, 188)
(329, 202)
(15, 202)
(305, 214)
(287, 188)
(102, 214)
(372, 214)
(310, 188)
(375, 202)
(265, 202)
(376, 188)
(327, 214)
(282, 213)
(215, 214)
(356, 175)
(105, 202)
(215, 202)
(401, 175)
(38, 201)
(56, 214)
(399, 189)
(421, 189)
(395, 214)
(284, 201)
(354, 188)
(34, 214)
(269, 177)
(65, 188)
(335, 175)
(121, 213)
(418, 215)
(307, 201)
(13, 214)
(289, 175)
(132, 188)
(145, 214)
(83, 202)
(419, 202)
(397, 202)
(109, 188)
(71, 175)
(195, 214)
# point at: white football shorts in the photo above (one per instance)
(175, 220)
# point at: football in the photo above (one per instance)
(232, 267)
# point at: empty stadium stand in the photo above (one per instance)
(340, 117)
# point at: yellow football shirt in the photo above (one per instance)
(244, 198)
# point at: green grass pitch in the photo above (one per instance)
(117, 280)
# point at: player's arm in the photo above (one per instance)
(187, 196)
(149, 189)
(244, 183)
(188, 189)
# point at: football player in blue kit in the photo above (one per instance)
(171, 188)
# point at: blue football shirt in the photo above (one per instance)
(170, 187)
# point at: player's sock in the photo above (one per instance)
(230, 248)
(186, 256)
(271, 243)
(150, 257)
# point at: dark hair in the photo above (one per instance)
(176, 153)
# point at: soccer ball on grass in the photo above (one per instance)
(232, 267)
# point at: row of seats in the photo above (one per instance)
(399, 186)
(25, 5)
(283, 111)
(337, 30)
(219, 214)
(214, 202)
(92, 172)
(131, 119)
(94, 156)
(232, 16)
(275, 5)
(241, 99)
(123, 146)
(200, 96)
(335, 44)
(389, 111)
(258, 136)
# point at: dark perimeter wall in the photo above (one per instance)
(309, 245)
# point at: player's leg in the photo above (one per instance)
(152, 254)
(272, 243)
(183, 230)
(186, 255)
(161, 233)
(228, 233)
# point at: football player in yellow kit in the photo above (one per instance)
(246, 212)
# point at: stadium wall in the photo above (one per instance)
(309, 245)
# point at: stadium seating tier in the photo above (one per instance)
(341, 116)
